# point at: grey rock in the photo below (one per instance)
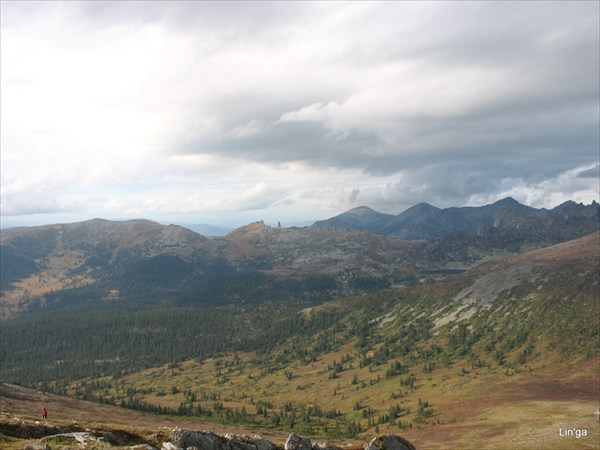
(183, 439)
(80, 436)
(389, 442)
(236, 442)
(295, 442)
(263, 444)
(324, 446)
(193, 440)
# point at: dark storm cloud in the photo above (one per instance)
(594, 172)
(528, 103)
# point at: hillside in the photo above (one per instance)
(140, 260)
(133, 260)
(502, 356)
(36, 261)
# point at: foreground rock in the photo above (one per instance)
(192, 440)
(50, 436)
(389, 442)
(186, 439)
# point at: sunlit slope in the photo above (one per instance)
(503, 356)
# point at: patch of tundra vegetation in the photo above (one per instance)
(371, 376)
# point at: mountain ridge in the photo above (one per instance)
(424, 221)
(144, 259)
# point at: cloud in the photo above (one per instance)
(191, 107)
(548, 192)
(252, 128)
(592, 172)
(444, 98)
(26, 196)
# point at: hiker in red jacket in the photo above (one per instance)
(44, 413)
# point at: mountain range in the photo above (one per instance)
(424, 221)
(358, 251)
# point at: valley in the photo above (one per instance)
(463, 341)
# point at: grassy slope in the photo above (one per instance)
(484, 408)
(545, 381)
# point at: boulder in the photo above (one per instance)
(295, 442)
(184, 439)
(236, 442)
(389, 442)
(262, 444)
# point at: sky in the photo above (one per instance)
(232, 112)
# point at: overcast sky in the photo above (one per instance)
(231, 112)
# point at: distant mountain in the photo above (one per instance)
(140, 260)
(143, 261)
(426, 222)
(69, 249)
(361, 218)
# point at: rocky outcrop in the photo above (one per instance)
(187, 439)
(192, 440)
(47, 436)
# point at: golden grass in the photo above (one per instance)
(54, 276)
(472, 408)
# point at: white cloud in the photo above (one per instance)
(252, 128)
(161, 108)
